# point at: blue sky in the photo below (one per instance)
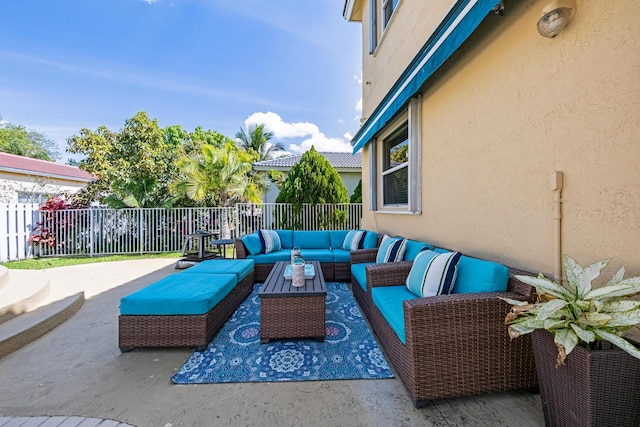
(294, 65)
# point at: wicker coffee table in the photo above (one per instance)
(290, 312)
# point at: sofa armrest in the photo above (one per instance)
(387, 274)
(363, 255)
(241, 249)
(456, 320)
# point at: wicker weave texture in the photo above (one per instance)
(456, 345)
(287, 312)
(341, 272)
(292, 317)
(593, 388)
(181, 330)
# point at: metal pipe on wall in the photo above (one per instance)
(556, 187)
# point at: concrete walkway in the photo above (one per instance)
(77, 370)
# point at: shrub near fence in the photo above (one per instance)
(102, 231)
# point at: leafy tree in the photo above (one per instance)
(356, 197)
(132, 168)
(16, 139)
(256, 142)
(313, 180)
(217, 175)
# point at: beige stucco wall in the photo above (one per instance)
(381, 69)
(511, 108)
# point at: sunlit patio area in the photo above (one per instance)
(78, 370)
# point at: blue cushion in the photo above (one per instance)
(240, 267)
(340, 255)
(337, 238)
(414, 248)
(433, 273)
(370, 240)
(179, 294)
(270, 241)
(311, 239)
(286, 238)
(359, 273)
(389, 301)
(391, 249)
(322, 255)
(477, 275)
(353, 240)
(271, 258)
(252, 243)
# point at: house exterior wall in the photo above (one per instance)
(12, 183)
(508, 109)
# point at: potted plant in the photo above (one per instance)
(591, 382)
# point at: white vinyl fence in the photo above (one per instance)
(16, 223)
(102, 231)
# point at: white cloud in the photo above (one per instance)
(347, 136)
(323, 144)
(359, 106)
(282, 130)
(150, 1)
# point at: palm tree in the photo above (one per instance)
(218, 174)
(256, 141)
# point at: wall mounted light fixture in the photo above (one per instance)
(555, 16)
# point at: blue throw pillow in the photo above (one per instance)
(391, 249)
(270, 241)
(433, 273)
(354, 240)
(252, 243)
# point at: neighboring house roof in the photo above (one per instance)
(339, 161)
(28, 166)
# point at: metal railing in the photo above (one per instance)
(102, 231)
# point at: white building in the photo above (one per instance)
(26, 180)
(348, 166)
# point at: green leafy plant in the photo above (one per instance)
(578, 314)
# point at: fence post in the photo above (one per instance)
(91, 225)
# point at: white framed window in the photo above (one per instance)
(395, 167)
(388, 6)
(373, 25)
(394, 164)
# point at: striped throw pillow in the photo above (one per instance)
(354, 240)
(433, 273)
(270, 241)
(391, 249)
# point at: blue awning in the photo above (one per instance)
(457, 26)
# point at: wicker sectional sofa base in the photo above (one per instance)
(194, 330)
(456, 345)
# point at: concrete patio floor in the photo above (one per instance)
(78, 370)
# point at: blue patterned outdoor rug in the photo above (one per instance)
(349, 350)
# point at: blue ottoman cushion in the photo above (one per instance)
(240, 267)
(179, 294)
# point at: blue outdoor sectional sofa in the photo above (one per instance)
(329, 247)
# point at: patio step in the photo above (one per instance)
(22, 290)
(4, 276)
(23, 329)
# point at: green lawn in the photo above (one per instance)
(42, 263)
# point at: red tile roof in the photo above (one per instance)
(17, 164)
